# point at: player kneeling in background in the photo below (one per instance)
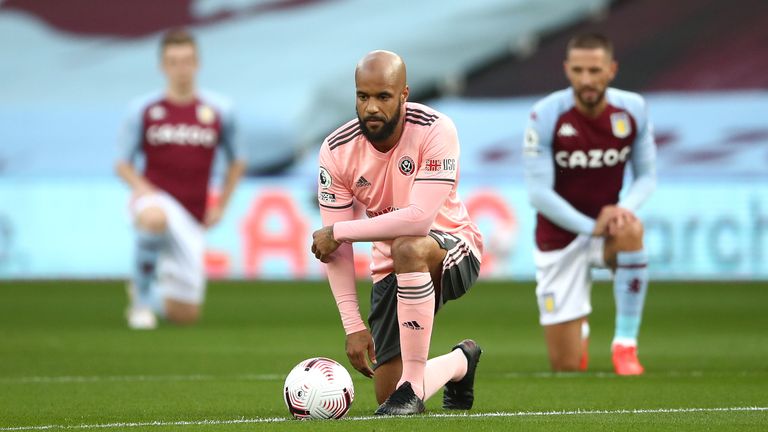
(576, 147)
(177, 132)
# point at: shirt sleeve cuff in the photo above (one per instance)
(354, 327)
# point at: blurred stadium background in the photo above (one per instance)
(70, 67)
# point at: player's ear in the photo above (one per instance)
(614, 68)
(196, 60)
(161, 60)
(404, 94)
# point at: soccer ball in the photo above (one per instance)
(318, 388)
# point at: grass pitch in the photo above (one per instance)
(67, 361)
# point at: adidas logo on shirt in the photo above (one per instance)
(413, 325)
(567, 130)
(362, 182)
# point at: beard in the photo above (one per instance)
(590, 103)
(385, 131)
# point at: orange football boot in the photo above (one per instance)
(625, 360)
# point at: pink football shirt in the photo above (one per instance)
(351, 168)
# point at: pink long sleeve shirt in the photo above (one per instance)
(407, 191)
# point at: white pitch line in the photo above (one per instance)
(384, 418)
(136, 378)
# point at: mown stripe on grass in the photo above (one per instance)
(65, 379)
(436, 415)
(651, 374)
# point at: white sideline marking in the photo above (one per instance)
(436, 415)
(137, 378)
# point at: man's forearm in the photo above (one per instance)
(414, 220)
(131, 176)
(232, 177)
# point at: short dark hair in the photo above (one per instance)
(591, 41)
(177, 36)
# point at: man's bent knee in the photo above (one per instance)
(181, 313)
(633, 231)
(411, 253)
(629, 238)
(152, 219)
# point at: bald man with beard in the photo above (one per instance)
(401, 161)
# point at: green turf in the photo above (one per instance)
(66, 358)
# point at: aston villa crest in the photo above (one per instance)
(205, 114)
(620, 125)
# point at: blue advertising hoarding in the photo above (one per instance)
(81, 229)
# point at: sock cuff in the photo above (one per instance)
(632, 259)
(416, 294)
(585, 329)
(624, 341)
(149, 237)
(413, 278)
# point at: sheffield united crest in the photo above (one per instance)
(406, 165)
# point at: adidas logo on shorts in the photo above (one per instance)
(362, 182)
